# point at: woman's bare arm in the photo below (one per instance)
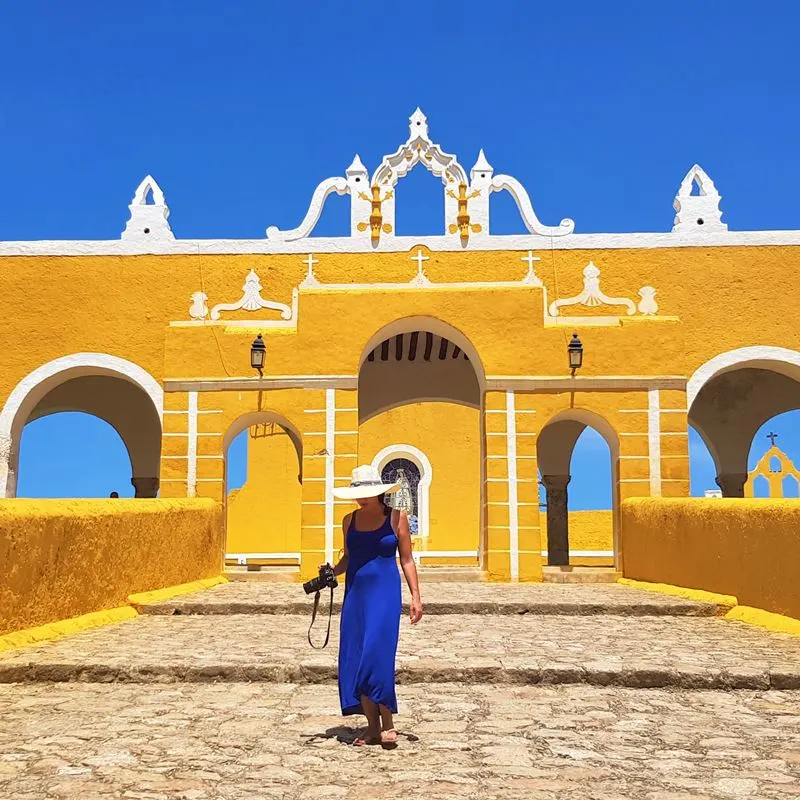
(400, 524)
(341, 564)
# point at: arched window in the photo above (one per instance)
(407, 474)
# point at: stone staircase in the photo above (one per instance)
(474, 633)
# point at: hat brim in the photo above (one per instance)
(361, 492)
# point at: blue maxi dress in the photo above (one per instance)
(370, 621)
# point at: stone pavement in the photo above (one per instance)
(505, 692)
(256, 741)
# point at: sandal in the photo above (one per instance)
(389, 739)
(363, 739)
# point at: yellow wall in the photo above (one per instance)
(746, 548)
(264, 515)
(588, 530)
(63, 558)
(449, 435)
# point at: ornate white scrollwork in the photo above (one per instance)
(592, 295)
(251, 300)
(419, 149)
(523, 201)
(338, 185)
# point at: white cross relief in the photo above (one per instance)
(531, 278)
(419, 258)
(311, 278)
(420, 279)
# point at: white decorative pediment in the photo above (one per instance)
(593, 296)
(149, 213)
(466, 197)
(251, 300)
(698, 213)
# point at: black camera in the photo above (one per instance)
(325, 580)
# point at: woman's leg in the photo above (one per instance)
(372, 714)
(388, 734)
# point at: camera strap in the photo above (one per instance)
(314, 616)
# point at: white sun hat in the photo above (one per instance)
(366, 482)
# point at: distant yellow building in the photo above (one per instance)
(777, 471)
(444, 357)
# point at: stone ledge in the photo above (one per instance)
(310, 673)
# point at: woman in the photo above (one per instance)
(370, 622)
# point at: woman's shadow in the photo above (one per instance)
(345, 735)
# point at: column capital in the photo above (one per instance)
(556, 482)
(145, 487)
(732, 483)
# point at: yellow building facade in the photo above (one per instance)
(444, 356)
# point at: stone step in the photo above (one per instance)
(262, 574)
(444, 598)
(686, 652)
(580, 575)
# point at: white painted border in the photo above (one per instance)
(654, 440)
(426, 477)
(191, 447)
(401, 244)
(778, 359)
(330, 457)
(513, 509)
(36, 384)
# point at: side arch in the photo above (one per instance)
(35, 386)
(777, 359)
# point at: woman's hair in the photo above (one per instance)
(387, 509)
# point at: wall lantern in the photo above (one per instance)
(575, 353)
(258, 354)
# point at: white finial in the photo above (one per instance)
(418, 125)
(482, 168)
(148, 220)
(356, 168)
(697, 213)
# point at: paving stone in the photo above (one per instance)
(643, 652)
(445, 598)
(239, 740)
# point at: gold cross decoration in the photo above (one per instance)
(462, 225)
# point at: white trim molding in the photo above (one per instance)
(36, 384)
(191, 447)
(423, 463)
(654, 440)
(330, 460)
(777, 359)
(513, 500)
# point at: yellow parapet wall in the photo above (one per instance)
(746, 548)
(64, 558)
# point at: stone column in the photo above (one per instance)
(732, 483)
(557, 519)
(145, 487)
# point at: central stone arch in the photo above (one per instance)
(420, 396)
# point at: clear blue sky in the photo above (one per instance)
(239, 109)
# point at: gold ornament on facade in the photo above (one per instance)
(376, 224)
(462, 225)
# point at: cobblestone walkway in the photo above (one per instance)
(595, 692)
(256, 741)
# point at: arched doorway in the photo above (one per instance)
(262, 515)
(114, 390)
(732, 396)
(420, 392)
(417, 470)
(555, 447)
